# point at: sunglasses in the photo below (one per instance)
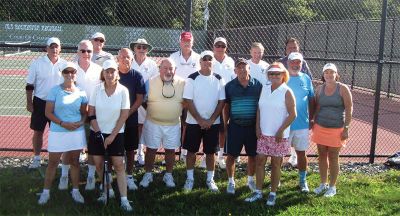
(220, 46)
(207, 58)
(274, 74)
(99, 40)
(69, 71)
(144, 47)
(85, 51)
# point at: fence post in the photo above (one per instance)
(381, 61)
(353, 74)
(391, 56)
(188, 19)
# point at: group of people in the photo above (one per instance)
(189, 101)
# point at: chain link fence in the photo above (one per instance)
(346, 33)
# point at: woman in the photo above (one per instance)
(108, 110)
(331, 128)
(66, 109)
(276, 111)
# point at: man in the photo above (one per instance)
(293, 45)
(302, 87)
(148, 68)
(99, 56)
(88, 77)
(258, 67)
(187, 62)
(43, 74)
(242, 95)
(133, 81)
(162, 125)
(224, 66)
(204, 95)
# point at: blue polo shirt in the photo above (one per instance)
(303, 90)
(243, 101)
(133, 81)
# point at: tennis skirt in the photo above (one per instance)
(66, 141)
(331, 137)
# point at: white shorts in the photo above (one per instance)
(66, 141)
(299, 139)
(154, 135)
(141, 115)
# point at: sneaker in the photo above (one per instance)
(103, 196)
(183, 157)
(251, 185)
(146, 180)
(322, 188)
(131, 184)
(221, 163)
(330, 192)
(212, 186)
(140, 158)
(293, 160)
(304, 187)
(254, 197)
(230, 189)
(63, 185)
(90, 183)
(35, 164)
(238, 160)
(203, 162)
(188, 185)
(44, 198)
(169, 181)
(126, 206)
(77, 196)
(271, 200)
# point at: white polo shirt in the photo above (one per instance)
(225, 68)
(259, 71)
(148, 68)
(90, 79)
(44, 75)
(185, 68)
(108, 109)
(205, 92)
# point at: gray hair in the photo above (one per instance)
(168, 60)
(85, 42)
(257, 45)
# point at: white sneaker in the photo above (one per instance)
(131, 183)
(293, 160)
(44, 198)
(304, 187)
(146, 180)
(203, 162)
(254, 197)
(221, 163)
(251, 185)
(90, 183)
(212, 186)
(63, 185)
(35, 164)
(77, 196)
(271, 200)
(188, 185)
(126, 206)
(322, 188)
(330, 192)
(238, 160)
(169, 180)
(183, 157)
(230, 189)
(140, 158)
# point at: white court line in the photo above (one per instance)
(15, 116)
(12, 89)
(5, 107)
(17, 77)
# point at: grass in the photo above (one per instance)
(358, 194)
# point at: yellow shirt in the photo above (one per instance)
(162, 110)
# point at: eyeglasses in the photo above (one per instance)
(220, 46)
(99, 40)
(69, 71)
(207, 58)
(85, 51)
(168, 90)
(141, 47)
(274, 74)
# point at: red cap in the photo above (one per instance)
(186, 36)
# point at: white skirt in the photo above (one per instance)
(66, 141)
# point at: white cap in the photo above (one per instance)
(53, 40)
(98, 35)
(295, 56)
(69, 65)
(206, 53)
(220, 39)
(110, 64)
(330, 66)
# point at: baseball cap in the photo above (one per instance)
(110, 64)
(186, 36)
(330, 66)
(53, 40)
(69, 65)
(206, 53)
(220, 39)
(140, 41)
(240, 61)
(295, 56)
(98, 35)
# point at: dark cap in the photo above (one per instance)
(240, 61)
